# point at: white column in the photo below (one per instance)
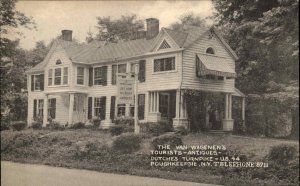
(177, 103)
(226, 106)
(243, 109)
(71, 105)
(181, 105)
(230, 106)
(157, 102)
(150, 102)
(154, 102)
(45, 112)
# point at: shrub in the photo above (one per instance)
(167, 139)
(36, 125)
(96, 122)
(78, 125)
(54, 125)
(282, 154)
(182, 130)
(156, 128)
(18, 125)
(116, 130)
(124, 121)
(127, 143)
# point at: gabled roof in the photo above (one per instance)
(100, 51)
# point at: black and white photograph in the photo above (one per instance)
(149, 93)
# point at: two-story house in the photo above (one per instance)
(76, 82)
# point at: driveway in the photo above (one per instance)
(17, 174)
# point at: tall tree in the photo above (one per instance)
(121, 29)
(188, 19)
(265, 36)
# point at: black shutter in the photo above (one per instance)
(141, 106)
(114, 74)
(112, 107)
(42, 76)
(142, 71)
(53, 106)
(32, 82)
(34, 108)
(104, 75)
(103, 107)
(90, 102)
(91, 76)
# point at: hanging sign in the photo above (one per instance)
(125, 90)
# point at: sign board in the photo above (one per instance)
(125, 90)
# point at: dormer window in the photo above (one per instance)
(210, 50)
(58, 62)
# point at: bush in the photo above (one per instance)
(181, 130)
(282, 154)
(18, 125)
(96, 122)
(156, 128)
(167, 139)
(36, 125)
(54, 125)
(127, 143)
(78, 125)
(124, 121)
(116, 130)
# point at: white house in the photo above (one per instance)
(77, 82)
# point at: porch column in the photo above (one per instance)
(157, 102)
(154, 114)
(228, 121)
(105, 124)
(71, 106)
(181, 116)
(45, 111)
(150, 102)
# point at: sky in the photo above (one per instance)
(80, 16)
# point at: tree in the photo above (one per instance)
(264, 34)
(12, 57)
(121, 29)
(188, 19)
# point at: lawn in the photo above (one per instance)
(92, 149)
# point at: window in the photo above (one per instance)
(210, 50)
(50, 77)
(65, 77)
(99, 107)
(80, 75)
(164, 64)
(164, 45)
(40, 107)
(121, 110)
(121, 68)
(57, 76)
(52, 108)
(37, 82)
(164, 105)
(100, 75)
(58, 62)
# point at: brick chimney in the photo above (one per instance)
(152, 28)
(66, 35)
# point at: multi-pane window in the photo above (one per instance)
(52, 108)
(164, 64)
(99, 107)
(40, 107)
(100, 75)
(57, 76)
(50, 77)
(80, 75)
(65, 77)
(121, 68)
(121, 110)
(37, 82)
(164, 105)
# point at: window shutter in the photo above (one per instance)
(90, 102)
(142, 70)
(104, 75)
(91, 76)
(42, 76)
(141, 106)
(32, 82)
(112, 107)
(34, 107)
(114, 74)
(103, 107)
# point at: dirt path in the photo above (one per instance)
(17, 174)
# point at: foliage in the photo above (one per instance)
(78, 125)
(54, 125)
(127, 143)
(266, 43)
(167, 139)
(36, 125)
(119, 129)
(124, 121)
(188, 19)
(156, 128)
(96, 122)
(182, 130)
(282, 154)
(120, 29)
(18, 125)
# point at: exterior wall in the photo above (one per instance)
(191, 81)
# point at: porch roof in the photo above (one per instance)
(214, 65)
(238, 93)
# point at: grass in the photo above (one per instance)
(91, 149)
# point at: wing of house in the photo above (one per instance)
(75, 82)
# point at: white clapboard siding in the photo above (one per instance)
(31, 97)
(191, 81)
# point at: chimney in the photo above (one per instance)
(66, 35)
(152, 28)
